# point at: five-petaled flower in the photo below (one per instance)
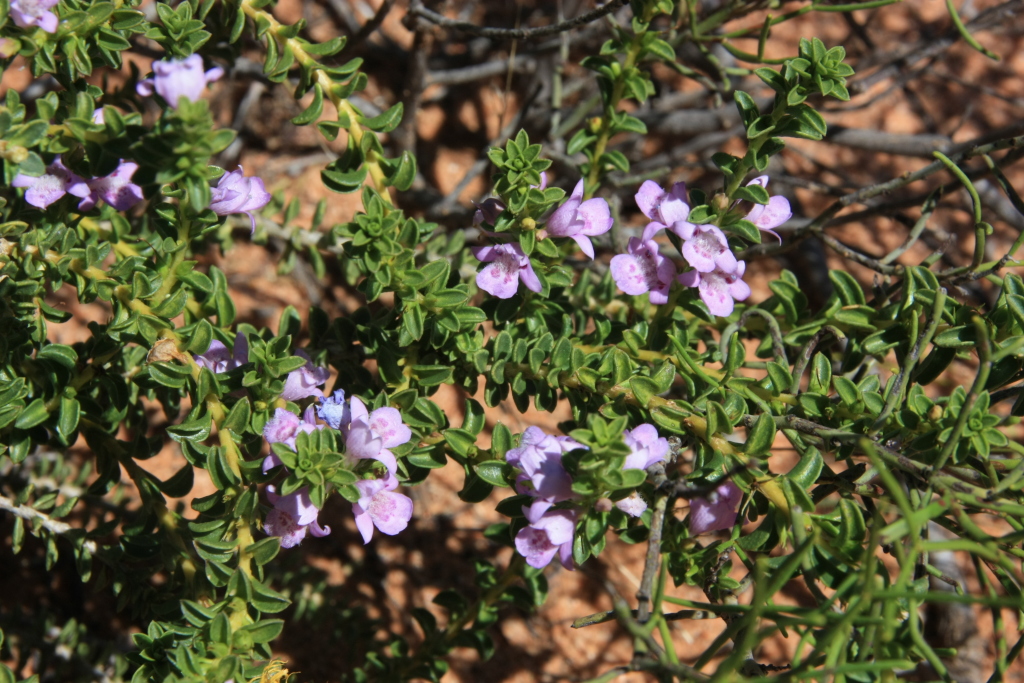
(30, 13)
(646, 448)
(116, 189)
(643, 269)
(580, 219)
(368, 436)
(507, 265)
(284, 428)
(379, 506)
(305, 381)
(55, 183)
(715, 511)
(549, 532)
(219, 359)
(539, 456)
(663, 207)
(769, 216)
(176, 78)
(719, 289)
(238, 193)
(293, 515)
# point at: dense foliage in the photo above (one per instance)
(658, 350)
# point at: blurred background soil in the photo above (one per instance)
(917, 89)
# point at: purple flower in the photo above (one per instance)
(580, 219)
(292, 516)
(116, 189)
(55, 183)
(370, 436)
(487, 212)
(508, 265)
(549, 532)
(719, 289)
(769, 216)
(642, 269)
(304, 381)
(663, 207)
(646, 447)
(218, 359)
(334, 410)
(379, 506)
(29, 13)
(705, 247)
(176, 78)
(539, 456)
(284, 428)
(237, 193)
(634, 505)
(715, 511)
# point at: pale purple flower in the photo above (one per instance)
(550, 532)
(176, 78)
(55, 183)
(292, 516)
(580, 219)
(719, 290)
(98, 117)
(218, 358)
(304, 381)
(769, 216)
(379, 506)
(334, 410)
(715, 511)
(370, 436)
(705, 247)
(489, 210)
(643, 269)
(29, 13)
(116, 189)
(238, 193)
(663, 207)
(508, 264)
(633, 505)
(646, 447)
(539, 456)
(284, 428)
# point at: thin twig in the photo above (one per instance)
(516, 33)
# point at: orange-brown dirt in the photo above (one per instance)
(335, 576)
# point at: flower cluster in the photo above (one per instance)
(542, 476)
(715, 271)
(370, 436)
(116, 189)
(508, 264)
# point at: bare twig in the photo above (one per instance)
(516, 33)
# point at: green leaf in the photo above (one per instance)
(761, 436)
(806, 472)
(314, 110)
(35, 413)
(492, 472)
(386, 121)
(264, 631)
